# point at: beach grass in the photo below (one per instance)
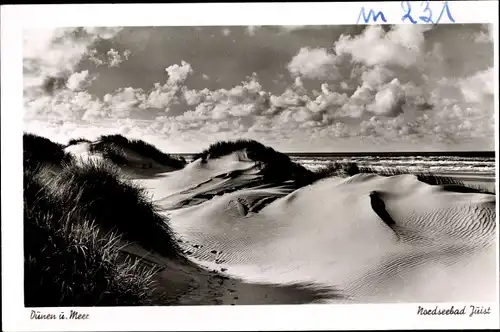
(115, 204)
(77, 140)
(111, 152)
(275, 166)
(112, 147)
(77, 219)
(40, 150)
(69, 260)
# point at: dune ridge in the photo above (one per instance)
(252, 227)
(133, 155)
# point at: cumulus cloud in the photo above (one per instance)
(194, 97)
(380, 72)
(402, 45)
(50, 52)
(380, 86)
(313, 63)
(66, 105)
(79, 81)
(115, 59)
(178, 74)
(168, 94)
(123, 101)
(478, 87)
(111, 58)
(245, 99)
(73, 104)
(389, 100)
(52, 84)
(162, 96)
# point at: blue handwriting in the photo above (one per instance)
(424, 15)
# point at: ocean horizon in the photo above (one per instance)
(481, 163)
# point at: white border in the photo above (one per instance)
(318, 317)
(226, 14)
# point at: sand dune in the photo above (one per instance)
(366, 238)
(81, 152)
(137, 164)
(329, 234)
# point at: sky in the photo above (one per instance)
(296, 88)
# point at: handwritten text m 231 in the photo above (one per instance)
(413, 12)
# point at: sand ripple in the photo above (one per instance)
(329, 234)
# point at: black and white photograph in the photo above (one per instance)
(238, 165)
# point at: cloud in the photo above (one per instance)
(380, 72)
(388, 101)
(162, 96)
(115, 59)
(478, 87)
(52, 84)
(226, 32)
(194, 97)
(242, 100)
(168, 94)
(79, 81)
(313, 63)
(382, 87)
(402, 45)
(66, 105)
(50, 52)
(178, 74)
(111, 58)
(123, 101)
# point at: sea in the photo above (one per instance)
(453, 163)
(470, 163)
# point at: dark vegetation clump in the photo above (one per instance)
(112, 147)
(40, 150)
(77, 220)
(111, 152)
(70, 261)
(275, 166)
(115, 204)
(74, 141)
(150, 151)
(336, 169)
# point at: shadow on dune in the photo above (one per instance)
(185, 283)
(243, 293)
(378, 206)
(461, 189)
